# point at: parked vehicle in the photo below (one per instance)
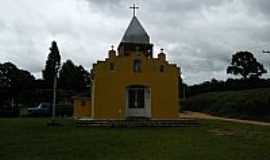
(43, 109)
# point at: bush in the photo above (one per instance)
(64, 110)
(247, 104)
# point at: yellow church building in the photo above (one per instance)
(131, 82)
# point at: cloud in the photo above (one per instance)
(199, 36)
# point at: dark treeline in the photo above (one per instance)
(19, 88)
(228, 85)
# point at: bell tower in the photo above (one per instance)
(135, 38)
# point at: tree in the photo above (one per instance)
(73, 77)
(52, 64)
(14, 81)
(13, 78)
(84, 78)
(245, 64)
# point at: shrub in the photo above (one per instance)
(251, 104)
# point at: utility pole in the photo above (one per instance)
(54, 96)
(53, 120)
(56, 67)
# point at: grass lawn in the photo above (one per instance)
(30, 138)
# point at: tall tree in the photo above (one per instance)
(73, 77)
(245, 64)
(52, 64)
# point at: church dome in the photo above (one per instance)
(135, 33)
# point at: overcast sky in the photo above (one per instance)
(199, 36)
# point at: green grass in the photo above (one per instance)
(245, 104)
(26, 138)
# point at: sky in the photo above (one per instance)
(198, 36)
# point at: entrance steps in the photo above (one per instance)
(138, 123)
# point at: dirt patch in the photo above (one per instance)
(198, 115)
(223, 132)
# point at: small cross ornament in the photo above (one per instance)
(134, 7)
(162, 50)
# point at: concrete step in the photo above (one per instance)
(138, 123)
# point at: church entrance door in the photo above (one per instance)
(138, 101)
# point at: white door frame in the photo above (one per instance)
(138, 112)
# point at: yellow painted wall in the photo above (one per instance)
(108, 86)
(81, 107)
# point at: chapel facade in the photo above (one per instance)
(131, 82)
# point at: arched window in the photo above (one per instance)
(137, 66)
